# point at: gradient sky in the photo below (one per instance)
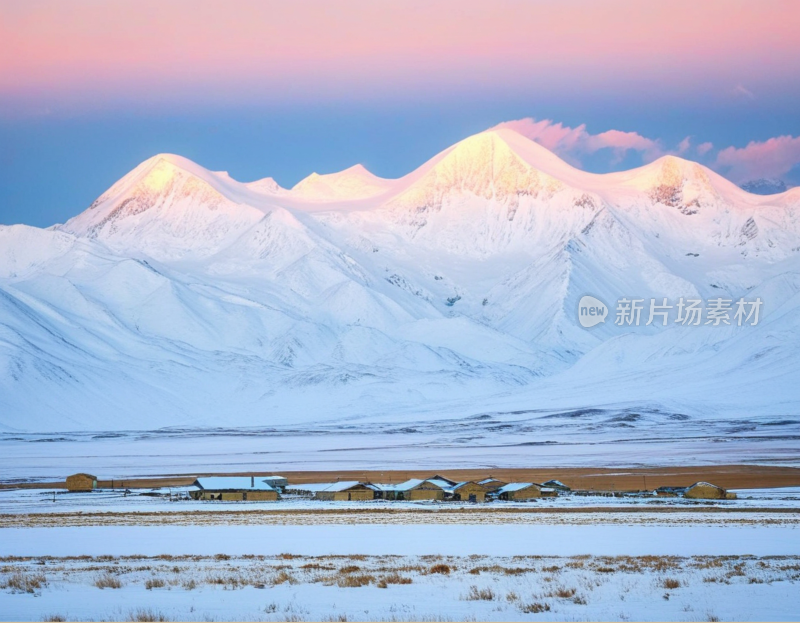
(88, 89)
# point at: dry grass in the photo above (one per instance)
(354, 580)
(315, 566)
(146, 615)
(480, 594)
(349, 569)
(54, 618)
(534, 607)
(393, 578)
(25, 582)
(282, 577)
(563, 592)
(152, 583)
(671, 583)
(107, 580)
(440, 568)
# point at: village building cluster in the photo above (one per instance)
(437, 488)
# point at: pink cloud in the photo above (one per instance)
(684, 146)
(704, 148)
(573, 143)
(772, 158)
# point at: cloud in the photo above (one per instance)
(684, 146)
(772, 158)
(704, 148)
(574, 143)
(741, 91)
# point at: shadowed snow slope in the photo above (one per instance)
(183, 297)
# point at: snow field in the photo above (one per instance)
(400, 588)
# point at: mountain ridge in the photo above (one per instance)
(184, 297)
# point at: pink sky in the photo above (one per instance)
(83, 50)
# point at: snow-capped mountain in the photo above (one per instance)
(184, 297)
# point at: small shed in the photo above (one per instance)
(234, 489)
(468, 492)
(346, 491)
(707, 491)
(81, 482)
(520, 491)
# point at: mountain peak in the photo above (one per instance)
(353, 183)
(167, 205)
(499, 165)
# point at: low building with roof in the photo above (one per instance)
(81, 482)
(346, 491)
(670, 492)
(557, 485)
(416, 489)
(522, 491)
(707, 491)
(467, 492)
(276, 482)
(234, 489)
(492, 484)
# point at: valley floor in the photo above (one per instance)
(288, 587)
(302, 561)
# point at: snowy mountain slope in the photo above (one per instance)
(183, 297)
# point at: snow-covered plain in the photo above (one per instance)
(402, 587)
(183, 298)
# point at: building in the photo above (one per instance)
(276, 482)
(442, 481)
(467, 492)
(557, 485)
(81, 482)
(707, 491)
(492, 484)
(522, 491)
(417, 489)
(346, 491)
(670, 492)
(234, 489)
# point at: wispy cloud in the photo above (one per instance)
(742, 91)
(704, 148)
(573, 144)
(772, 158)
